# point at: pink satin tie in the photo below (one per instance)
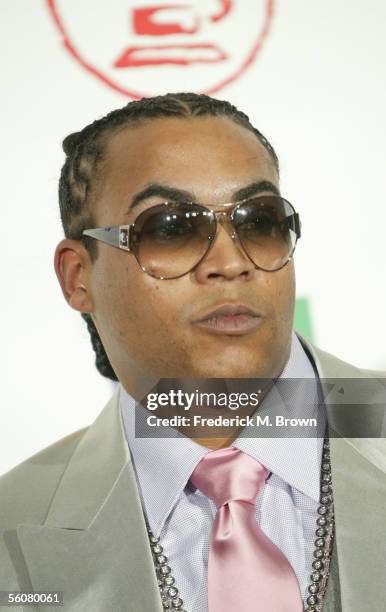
(246, 570)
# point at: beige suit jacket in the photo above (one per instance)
(71, 518)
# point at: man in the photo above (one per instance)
(201, 285)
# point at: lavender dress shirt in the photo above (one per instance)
(182, 516)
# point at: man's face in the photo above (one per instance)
(149, 326)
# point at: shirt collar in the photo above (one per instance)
(296, 460)
(163, 465)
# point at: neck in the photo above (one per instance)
(214, 425)
(216, 443)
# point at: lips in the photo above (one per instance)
(230, 320)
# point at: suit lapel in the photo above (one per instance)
(359, 480)
(93, 545)
(332, 602)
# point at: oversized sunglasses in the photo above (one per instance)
(171, 239)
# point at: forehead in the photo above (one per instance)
(209, 156)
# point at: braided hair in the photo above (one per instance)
(85, 149)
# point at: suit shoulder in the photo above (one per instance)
(342, 365)
(26, 489)
(334, 367)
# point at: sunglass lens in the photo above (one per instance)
(266, 229)
(171, 239)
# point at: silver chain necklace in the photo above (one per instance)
(316, 590)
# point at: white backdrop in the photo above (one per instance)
(316, 89)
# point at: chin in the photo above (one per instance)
(234, 362)
(231, 370)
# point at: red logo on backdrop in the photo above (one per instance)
(138, 46)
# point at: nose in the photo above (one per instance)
(226, 259)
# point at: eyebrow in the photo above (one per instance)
(181, 195)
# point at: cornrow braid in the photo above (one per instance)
(85, 149)
(102, 362)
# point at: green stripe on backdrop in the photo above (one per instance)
(302, 319)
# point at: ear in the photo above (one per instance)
(72, 266)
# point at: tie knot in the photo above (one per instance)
(228, 474)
